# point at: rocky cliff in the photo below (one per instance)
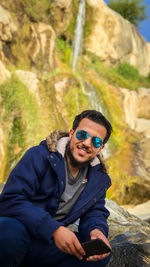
(39, 92)
(113, 39)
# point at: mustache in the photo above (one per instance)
(85, 148)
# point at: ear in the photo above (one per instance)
(71, 132)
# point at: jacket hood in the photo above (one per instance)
(58, 140)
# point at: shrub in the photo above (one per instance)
(128, 71)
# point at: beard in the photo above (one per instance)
(73, 161)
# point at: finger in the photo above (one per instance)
(66, 249)
(76, 252)
(79, 248)
(98, 257)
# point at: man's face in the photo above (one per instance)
(83, 150)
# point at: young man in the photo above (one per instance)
(54, 184)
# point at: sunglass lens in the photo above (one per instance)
(97, 142)
(82, 135)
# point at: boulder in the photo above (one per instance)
(114, 39)
(129, 237)
(142, 211)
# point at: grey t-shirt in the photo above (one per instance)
(73, 189)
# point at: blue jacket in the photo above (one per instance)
(35, 186)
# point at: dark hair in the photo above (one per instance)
(95, 116)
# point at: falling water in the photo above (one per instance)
(78, 37)
(95, 104)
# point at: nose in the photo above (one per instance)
(87, 142)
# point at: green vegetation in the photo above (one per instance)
(21, 119)
(124, 75)
(132, 10)
(38, 10)
(69, 33)
(63, 50)
(127, 71)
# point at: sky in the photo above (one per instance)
(144, 28)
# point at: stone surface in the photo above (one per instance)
(4, 73)
(61, 15)
(131, 249)
(7, 25)
(121, 221)
(7, 29)
(30, 80)
(142, 211)
(137, 109)
(129, 237)
(113, 39)
(42, 46)
(143, 103)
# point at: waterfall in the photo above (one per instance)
(78, 37)
(95, 104)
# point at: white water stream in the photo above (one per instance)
(78, 36)
(93, 100)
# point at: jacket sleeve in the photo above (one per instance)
(95, 217)
(21, 185)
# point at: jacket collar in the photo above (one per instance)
(58, 140)
(61, 148)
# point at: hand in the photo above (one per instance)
(96, 233)
(67, 242)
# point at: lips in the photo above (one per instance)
(83, 150)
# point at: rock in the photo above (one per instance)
(130, 249)
(130, 104)
(30, 81)
(142, 211)
(114, 39)
(41, 47)
(143, 103)
(61, 15)
(121, 221)
(7, 29)
(1, 186)
(143, 126)
(7, 25)
(129, 237)
(136, 105)
(4, 73)
(59, 90)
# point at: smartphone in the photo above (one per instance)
(95, 247)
